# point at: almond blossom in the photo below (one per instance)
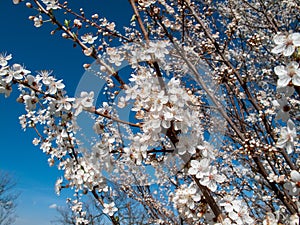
(283, 109)
(55, 86)
(159, 49)
(85, 101)
(286, 44)
(293, 186)
(170, 149)
(211, 178)
(110, 208)
(240, 213)
(88, 38)
(38, 21)
(51, 4)
(185, 198)
(4, 58)
(290, 73)
(287, 137)
(199, 168)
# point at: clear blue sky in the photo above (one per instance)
(38, 50)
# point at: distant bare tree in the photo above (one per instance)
(130, 213)
(8, 197)
(67, 217)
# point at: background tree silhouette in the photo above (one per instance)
(8, 198)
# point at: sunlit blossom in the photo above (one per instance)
(88, 38)
(38, 21)
(4, 58)
(110, 208)
(293, 187)
(85, 101)
(287, 74)
(286, 44)
(287, 137)
(51, 4)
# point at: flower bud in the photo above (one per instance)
(95, 16)
(86, 66)
(88, 51)
(28, 4)
(64, 35)
(16, 2)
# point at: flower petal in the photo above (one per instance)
(296, 80)
(279, 39)
(278, 49)
(296, 38)
(283, 81)
(280, 70)
(289, 50)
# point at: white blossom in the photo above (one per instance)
(38, 21)
(286, 44)
(199, 168)
(287, 137)
(290, 73)
(293, 186)
(110, 208)
(85, 101)
(211, 178)
(88, 38)
(4, 59)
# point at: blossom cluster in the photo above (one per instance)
(174, 154)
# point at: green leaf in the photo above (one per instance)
(67, 23)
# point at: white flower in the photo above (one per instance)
(6, 90)
(64, 104)
(286, 44)
(211, 178)
(36, 141)
(111, 26)
(199, 168)
(110, 208)
(85, 101)
(186, 143)
(54, 86)
(38, 21)
(158, 102)
(81, 221)
(88, 38)
(4, 58)
(293, 187)
(58, 185)
(226, 202)
(51, 4)
(287, 137)
(286, 74)
(138, 55)
(77, 23)
(185, 198)
(16, 2)
(283, 106)
(30, 102)
(114, 56)
(240, 214)
(11, 74)
(159, 49)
